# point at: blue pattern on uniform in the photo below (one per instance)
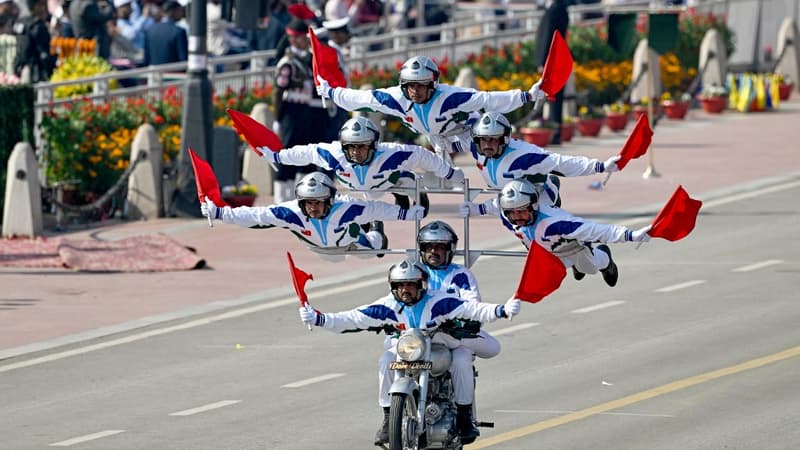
(414, 313)
(444, 307)
(379, 312)
(333, 163)
(350, 215)
(363, 241)
(454, 101)
(287, 215)
(394, 161)
(462, 281)
(388, 101)
(321, 225)
(562, 227)
(361, 172)
(423, 111)
(526, 161)
(435, 277)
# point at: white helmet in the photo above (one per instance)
(437, 232)
(315, 186)
(491, 124)
(517, 194)
(419, 69)
(408, 271)
(359, 130)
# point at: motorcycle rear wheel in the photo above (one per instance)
(402, 425)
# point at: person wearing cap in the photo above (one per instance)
(300, 116)
(132, 27)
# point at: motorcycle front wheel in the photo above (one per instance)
(402, 425)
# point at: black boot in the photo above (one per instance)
(466, 425)
(403, 201)
(577, 274)
(610, 273)
(382, 436)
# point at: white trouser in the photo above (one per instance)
(460, 372)
(588, 260)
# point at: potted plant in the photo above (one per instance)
(675, 105)
(590, 120)
(567, 128)
(616, 116)
(785, 87)
(713, 99)
(242, 194)
(642, 108)
(538, 132)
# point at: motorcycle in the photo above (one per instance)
(423, 410)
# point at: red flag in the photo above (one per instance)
(557, 67)
(637, 143)
(206, 181)
(677, 219)
(542, 274)
(299, 278)
(325, 62)
(256, 134)
(301, 11)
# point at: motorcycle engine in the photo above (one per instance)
(441, 425)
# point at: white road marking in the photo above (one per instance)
(596, 307)
(204, 408)
(182, 326)
(557, 411)
(318, 379)
(758, 265)
(88, 437)
(679, 286)
(507, 330)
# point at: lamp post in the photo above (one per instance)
(196, 123)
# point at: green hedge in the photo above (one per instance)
(16, 125)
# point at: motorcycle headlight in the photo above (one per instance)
(410, 347)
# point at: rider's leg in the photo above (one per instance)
(464, 386)
(484, 346)
(385, 379)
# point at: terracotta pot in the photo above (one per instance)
(239, 200)
(785, 91)
(567, 131)
(713, 105)
(537, 136)
(590, 127)
(616, 121)
(675, 110)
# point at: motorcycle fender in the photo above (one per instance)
(405, 385)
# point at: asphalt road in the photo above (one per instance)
(696, 348)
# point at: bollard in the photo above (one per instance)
(789, 52)
(226, 156)
(713, 62)
(145, 196)
(466, 79)
(651, 90)
(254, 171)
(23, 200)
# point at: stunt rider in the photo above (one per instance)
(564, 235)
(317, 217)
(501, 158)
(411, 305)
(439, 111)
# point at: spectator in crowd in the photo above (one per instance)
(60, 23)
(132, 27)
(271, 30)
(165, 42)
(338, 35)
(33, 62)
(8, 44)
(9, 9)
(555, 19)
(89, 18)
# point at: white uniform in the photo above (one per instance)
(521, 159)
(433, 307)
(442, 118)
(392, 164)
(569, 237)
(340, 228)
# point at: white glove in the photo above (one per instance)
(536, 92)
(610, 165)
(466, 209)
(209, 209)
(308, 315)
(415, 212)
(323, 88)
(458, 176)
(512, 307)
(641, 235)
(276, 127)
